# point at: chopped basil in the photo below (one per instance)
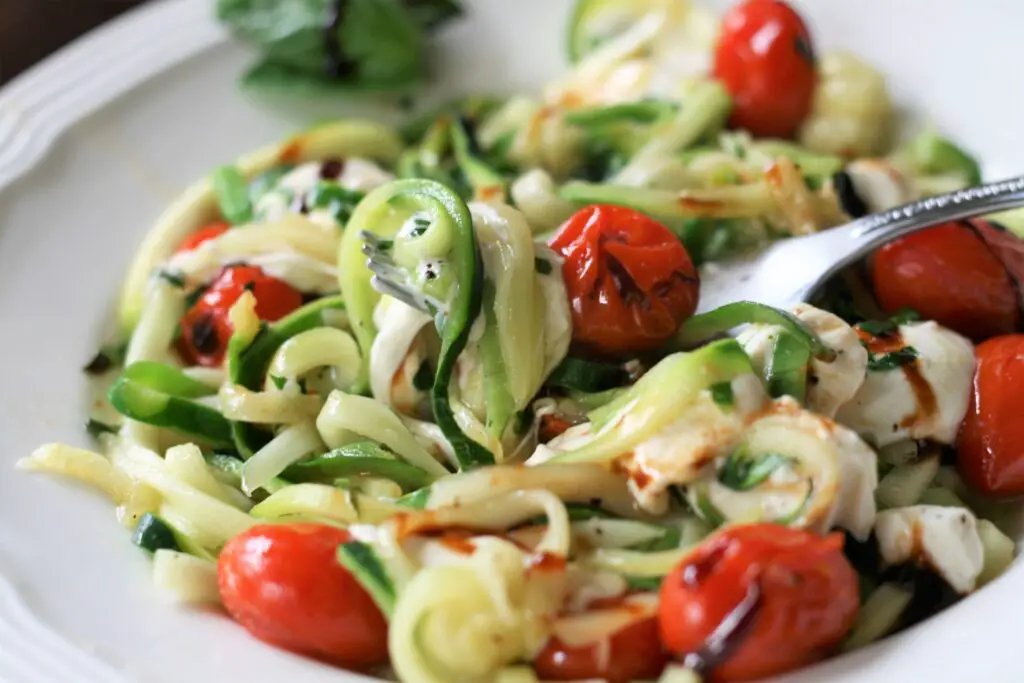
(709, 513)
(279, 381)
(741, 472)
(339, 201)
(542, 266)
(96, 428)
(890, 361)
(878, 328)
(721, 394)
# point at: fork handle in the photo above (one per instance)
(875, 230)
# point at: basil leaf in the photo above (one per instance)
(232, 193)
(890, 361)
(741, 472)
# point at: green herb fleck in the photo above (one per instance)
(338, 201)
(721, 394)
(878, 328)
(741, 472)
(279, 381)
(892, 360)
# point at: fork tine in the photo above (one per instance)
(404, 295)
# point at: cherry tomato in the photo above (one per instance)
(205, 329)
(990, 447)
(793, 596)
(284, 584)
(765, 59)
(204, 234)
(630, 281)
(632, 653)
(948, 274)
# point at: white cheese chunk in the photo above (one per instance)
(878, 184)
(925, 399)
(830, 384)
(944, 539)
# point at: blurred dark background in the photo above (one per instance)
(32, 29)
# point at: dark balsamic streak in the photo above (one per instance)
(728, 635)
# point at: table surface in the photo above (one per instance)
(32, 29)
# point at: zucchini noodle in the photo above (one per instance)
(571, 483)
(506, 246)
(267, 407)
(535, 194)
(291, 445)
(187, 464)
(214, 522)
(852, 111)
(346, 416)
(316, 348)
(634, 563)
(165, 304)
(293, 234)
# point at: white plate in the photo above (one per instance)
(97, 140)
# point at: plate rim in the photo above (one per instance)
(40, 105)
(38, 108)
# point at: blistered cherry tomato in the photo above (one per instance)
(765, 59)
(205, 328)
(630, 281)
(990, 447)
(284, 584)
(791, 595)
(951, 275)
(205, 234)
(632, 653)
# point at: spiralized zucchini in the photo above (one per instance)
(852, 111)
(420, 387)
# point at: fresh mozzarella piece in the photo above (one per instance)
(830, 384)
(944, 539)
(684, 450)
(925, 399)
(362, 175)
(395, 358)
(829, 481)
(878, 184)
(356, 174)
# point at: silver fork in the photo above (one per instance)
(792, 270)
(788, 271)
(389, 279)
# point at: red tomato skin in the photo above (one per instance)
(990, 446)
(205, 329)
(283, 583)
(808, 599)
(634, 653)
(765, 59)
(948, 274)
(630, 281)
(204, 234)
